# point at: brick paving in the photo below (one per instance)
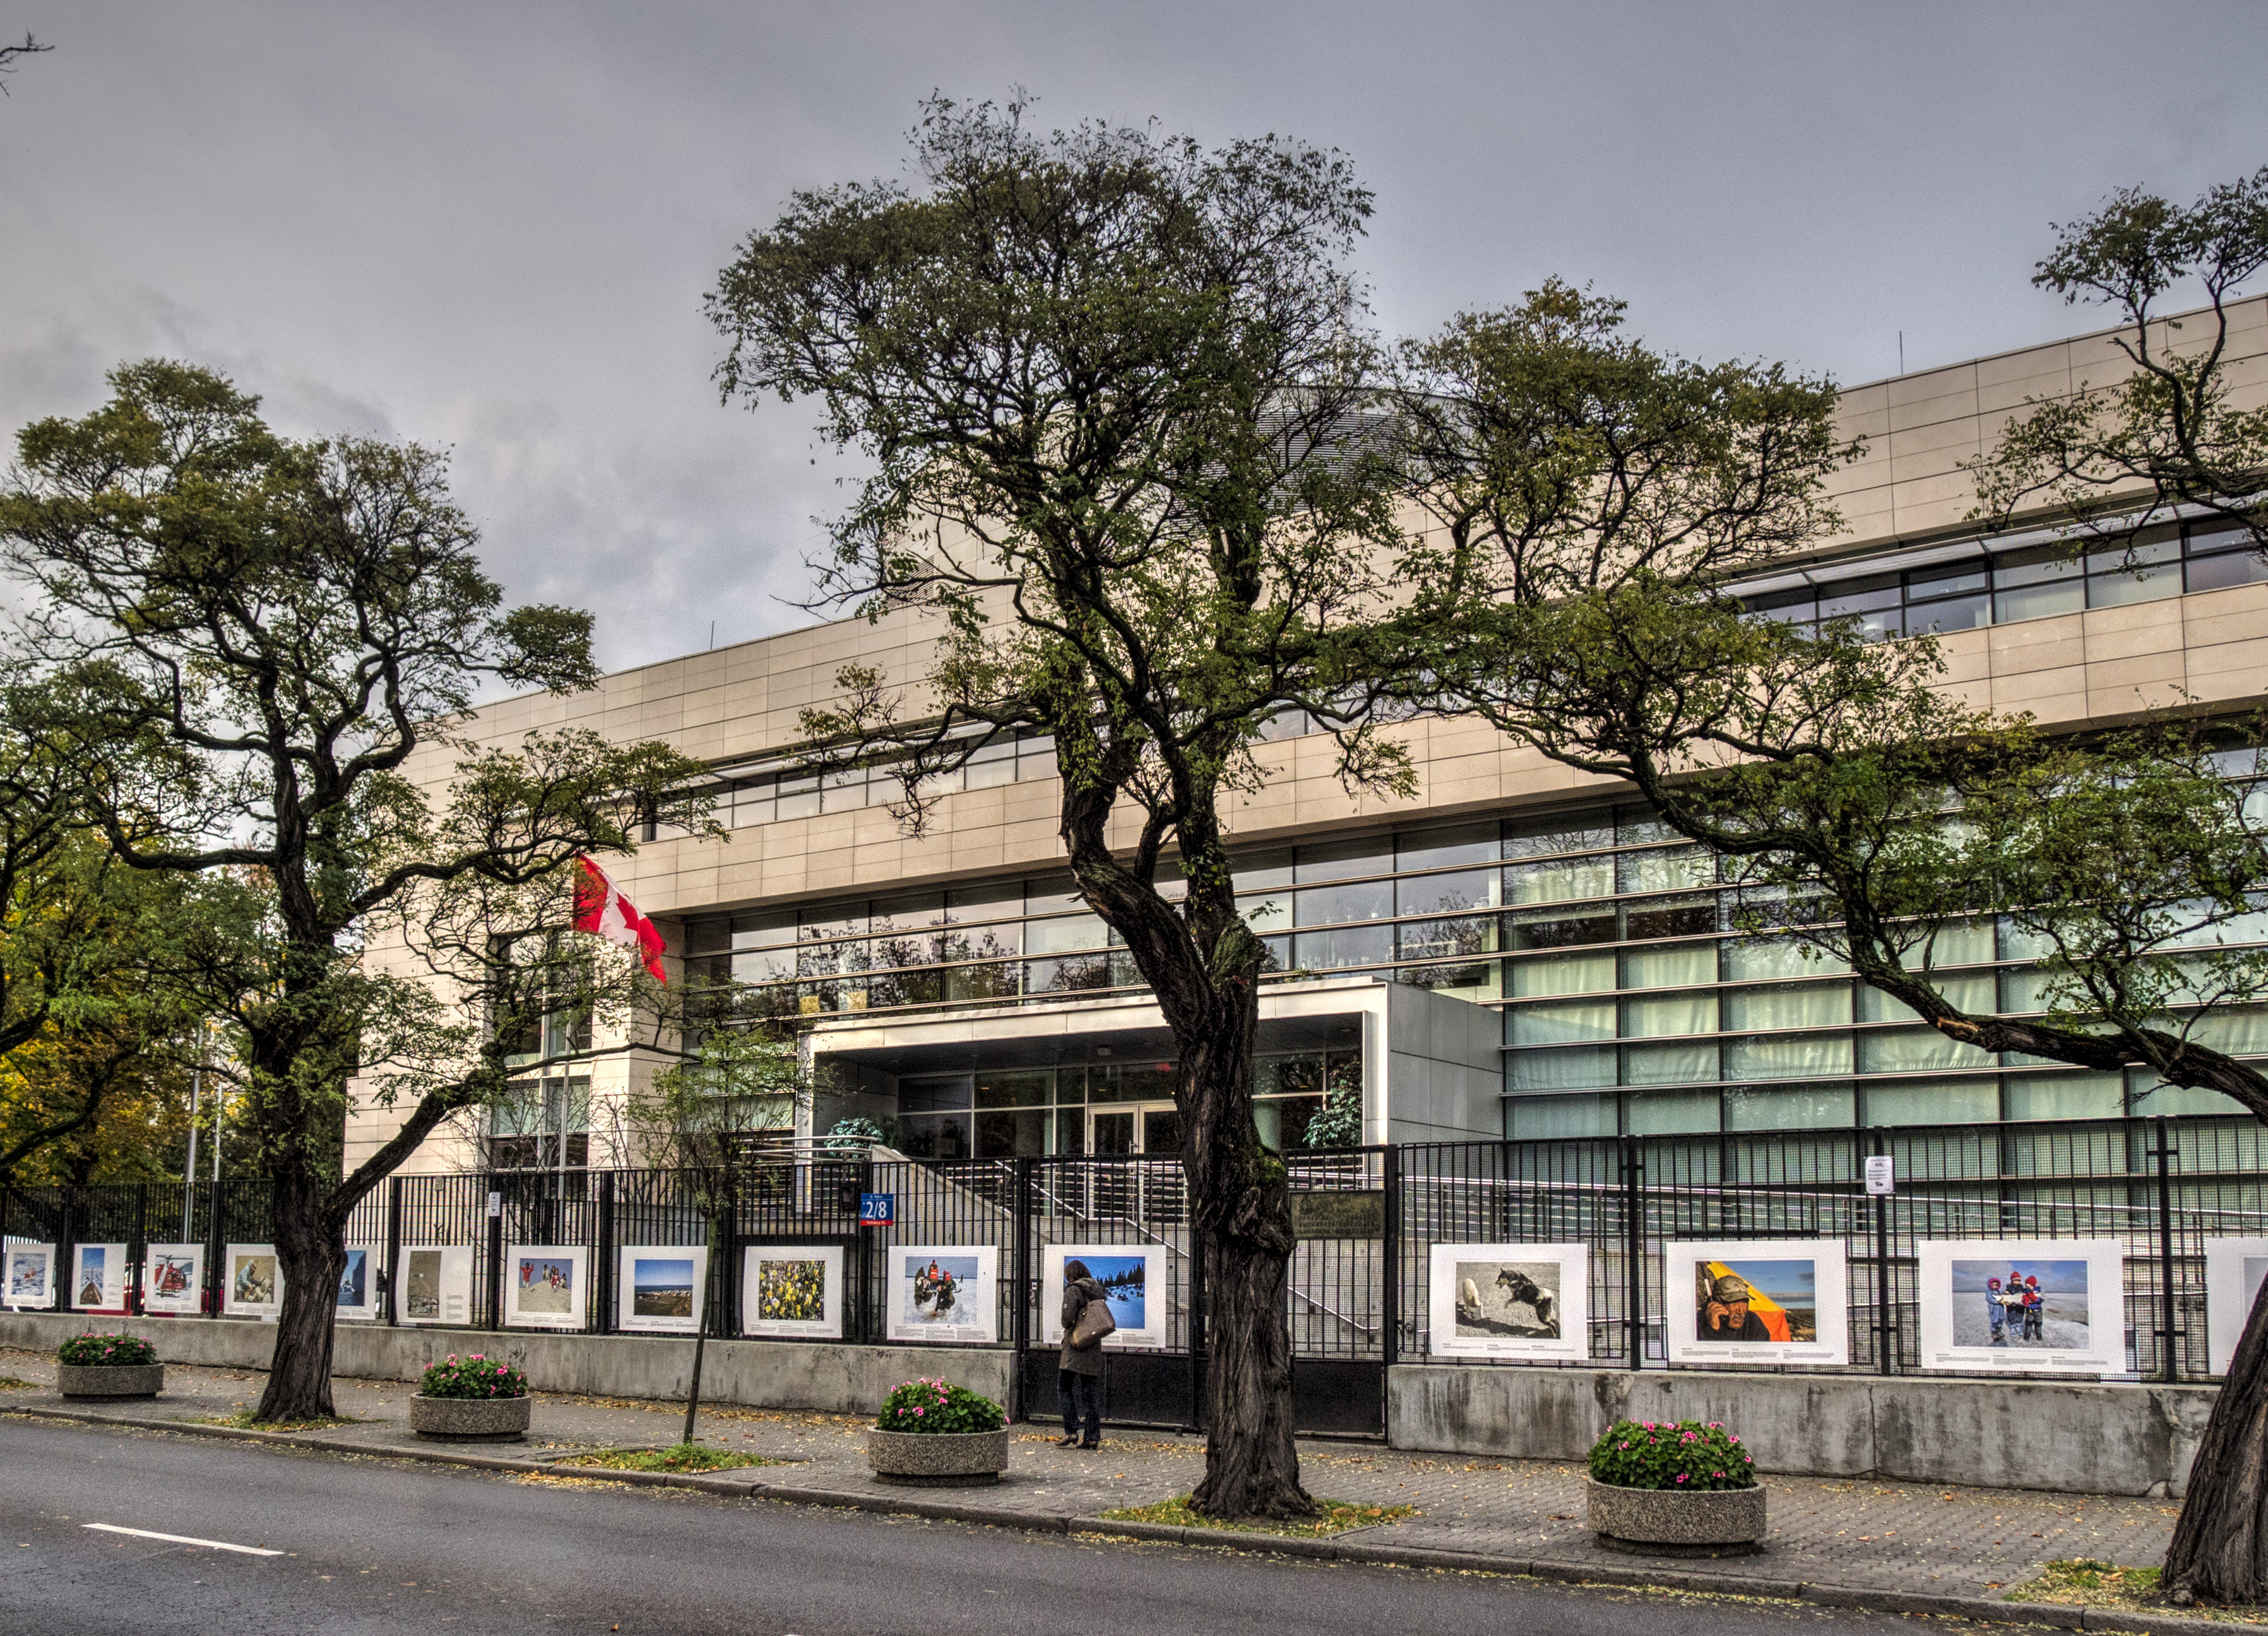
(1883, 1536)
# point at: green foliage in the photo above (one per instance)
(1339, 1122)
(240, 641)
(2113, 459)
(472, 1375)
(1671, 1453)
(92, 1351)
(935, 1406)
(855, 1134)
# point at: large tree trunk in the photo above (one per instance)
(2219, 1550)
(1240, 1216)
(310, 1254)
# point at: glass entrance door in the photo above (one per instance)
(1115, 1134)
(1154, 1131)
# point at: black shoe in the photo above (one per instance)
(1090, 1445)
(1068, 1443)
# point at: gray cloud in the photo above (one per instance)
(489, 227)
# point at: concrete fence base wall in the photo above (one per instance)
(2077, 1438)
(758, 1374)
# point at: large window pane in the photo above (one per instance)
(1799, 1108)
(1787, 1056)
(1787, 1006)
(2065, 1097)
(1562, 973)
(1565, 881)
(1441, 939)
(1693, 1063)
(1749, 959)
(1637, 826)
(1558, 1118)
(1559, 929)
(1971, 991)
(1540, 837)
(1062, 933)
(2239, 1030)
(1669, 916)
(1265, 914)
(1658, 1015)
(1341, 860)
(1915, 1050)
(1674, 871)
(2040, 602)
(1954, 613)
(1682, 965)
(2109, 585)
(1444, 849)
(1933, 1101)
(1330, 905)
(1569, 1068)
(2218, 573)
(1262, 871)
(1447, 894)
(1960, 943)
(1349, 945)
(1673, 1113)
(1561, 1024)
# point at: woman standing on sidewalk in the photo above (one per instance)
(1078, 1370)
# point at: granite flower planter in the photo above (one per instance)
(937, 1459)
(1678, 1523)
(470, 1419)
(110, 1380)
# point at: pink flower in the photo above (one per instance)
(1681, 1476)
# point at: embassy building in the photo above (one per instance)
(1517, 951)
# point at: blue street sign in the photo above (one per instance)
(878, 1209)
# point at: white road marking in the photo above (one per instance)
(182, 1539)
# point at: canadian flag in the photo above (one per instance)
(601, 909)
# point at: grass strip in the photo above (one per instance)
(682, 1457)
(1338, 1515)
(2083, 1582)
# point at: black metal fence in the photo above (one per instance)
(1367, 1221)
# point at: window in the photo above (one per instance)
(543, 1124)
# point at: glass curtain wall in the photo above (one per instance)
(1628, 1002)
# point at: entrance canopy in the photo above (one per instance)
(1431, 1066)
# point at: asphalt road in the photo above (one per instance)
(370, 1546)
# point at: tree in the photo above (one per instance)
(1867, 814)
(246, 638)
(9, 55)
(701, 1118)
(99, 1083)
(1121, 412)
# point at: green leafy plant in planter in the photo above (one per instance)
(106, 1351)
(1672, 1454)
(472, 1376)
(935, 1406)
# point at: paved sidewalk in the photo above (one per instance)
(1891, 1538)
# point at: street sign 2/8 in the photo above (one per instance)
(878, 1209)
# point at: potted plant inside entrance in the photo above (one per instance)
(471, 1399)
(933, 1436)
(108, 1366)
(1675, 1488)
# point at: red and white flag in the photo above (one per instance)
(601, 909)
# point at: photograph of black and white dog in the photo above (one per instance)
(1508, 1298)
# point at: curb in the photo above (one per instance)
(1346, 1548)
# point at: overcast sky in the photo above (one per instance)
(490, 226)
